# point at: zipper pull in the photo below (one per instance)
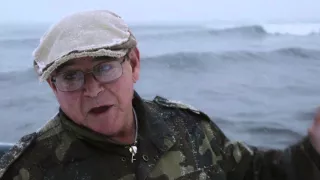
(133, 150)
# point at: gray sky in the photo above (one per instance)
(163, 10)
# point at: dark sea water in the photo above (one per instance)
(259, 83)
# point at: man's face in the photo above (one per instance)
(103, 107)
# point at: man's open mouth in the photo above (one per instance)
(100, 109)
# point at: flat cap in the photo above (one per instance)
(82, 34)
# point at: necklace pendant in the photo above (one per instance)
(133, 150)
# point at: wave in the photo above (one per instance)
(243, 31)
(255, 30)
(299, 52)
(169, 32)
(278, 131)
(208, 61)
(276, 29)
(246, 31)
(199, 60)
(240, 55)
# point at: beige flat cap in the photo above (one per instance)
(82, 34)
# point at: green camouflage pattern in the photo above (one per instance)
(176, 142)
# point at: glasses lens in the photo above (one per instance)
(108, 71)
(73, 80)
(70, 81)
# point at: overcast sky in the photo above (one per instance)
(163, 10)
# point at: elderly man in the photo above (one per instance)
(105, 130)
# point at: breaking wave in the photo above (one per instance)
(235, 31)
(159, 32)
(254, 30)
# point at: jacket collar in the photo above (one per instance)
(152, 125)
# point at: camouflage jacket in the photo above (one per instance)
(175, 142)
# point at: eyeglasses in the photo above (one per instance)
(104, 72)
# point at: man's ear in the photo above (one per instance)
(134, 57)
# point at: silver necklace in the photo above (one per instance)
(133, 148)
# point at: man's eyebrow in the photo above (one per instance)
(64, 65)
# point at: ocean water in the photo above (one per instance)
(259, 83)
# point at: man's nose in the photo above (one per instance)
(92, 87)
